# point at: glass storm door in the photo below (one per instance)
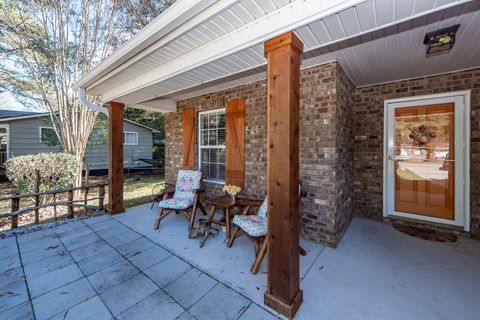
(426, 175)
(424, 160)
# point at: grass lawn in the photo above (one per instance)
(139, 189)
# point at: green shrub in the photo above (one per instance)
(159, 152)
(57, 171)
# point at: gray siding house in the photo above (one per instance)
(24, 133)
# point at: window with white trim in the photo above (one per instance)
(48, 136)
(211, 142)
(130, 138)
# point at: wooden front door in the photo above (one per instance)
(424, 160)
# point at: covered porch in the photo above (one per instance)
(118, 267)
(310, 79)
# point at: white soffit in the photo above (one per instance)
(374, 40)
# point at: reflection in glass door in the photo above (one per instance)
(424, 160)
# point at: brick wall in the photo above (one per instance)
(344, 150)
(368, 131)
(255, 134)
(318, 152)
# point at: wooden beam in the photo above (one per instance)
(115, 157)
(283, 100)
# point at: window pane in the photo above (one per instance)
(221, 120)
(213, 171)
(204, 155)
(205, 168)
(204, 121)
(212, 121)
(221, 172)
(221, 137)
(49, 137)
(130, 138)
(204, 137)
(213, 155)
(212, 137)
(221, 155)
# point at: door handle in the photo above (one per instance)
(448, 160)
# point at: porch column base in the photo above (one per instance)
(288, 310)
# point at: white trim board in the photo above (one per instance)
(462, 155)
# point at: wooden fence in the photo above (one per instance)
(70, 202)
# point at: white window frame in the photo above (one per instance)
(461, 99)
(136, 138)
(40, 134)
(200, 147)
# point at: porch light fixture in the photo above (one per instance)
(440, 40)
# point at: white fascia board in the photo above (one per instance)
(160, 105)
(290, 17)
(25, 117)
(177, 14)
(195, 21)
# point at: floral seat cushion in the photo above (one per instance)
(176, 203)
(253, 225)
(187, 182)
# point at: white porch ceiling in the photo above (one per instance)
(374, 41)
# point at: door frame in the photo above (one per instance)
(461, 100)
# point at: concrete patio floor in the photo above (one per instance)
(119, 267)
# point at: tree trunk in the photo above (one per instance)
(78, 178)
(87, 170)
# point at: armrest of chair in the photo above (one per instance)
(198, 191)
(168, 189)
(245, 204)
(250, 202)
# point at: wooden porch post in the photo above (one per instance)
(283, 99)
(115, 157)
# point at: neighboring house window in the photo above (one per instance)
(48, 136)
(130, 138)
(212, 144)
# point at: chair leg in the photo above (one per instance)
(202, 208)
(211, 216)
(192, 216)
(257, 245)
(161, 214)
(238, 232)
(227, 222)
(259, 257)
(157, 222)
(153, 203)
